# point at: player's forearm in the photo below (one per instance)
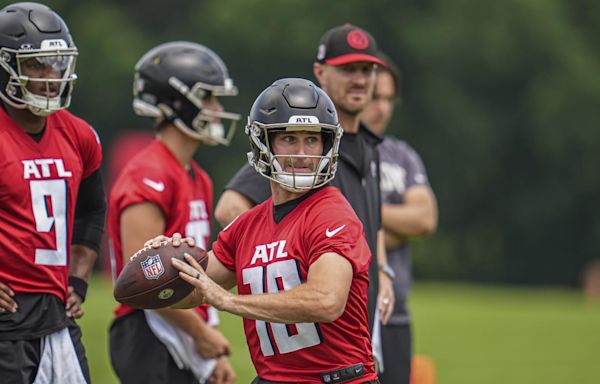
(409, 220)
(393, 240)
(231, 205)
(303, 304)
(82, 261)
(90, 212)
(381, 253)
(187, 320)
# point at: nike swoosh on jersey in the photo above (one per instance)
(158, 186)
(332, 233)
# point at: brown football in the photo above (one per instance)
(149, 281)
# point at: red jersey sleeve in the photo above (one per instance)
(208, 188)
(226, 244)
(335, 228)
(91, 149)
(145, 185)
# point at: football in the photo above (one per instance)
(149, 281)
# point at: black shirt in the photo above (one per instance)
(357, 178)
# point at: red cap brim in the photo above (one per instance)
(353, 58)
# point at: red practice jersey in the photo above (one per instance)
(185, 198)
(39, 183)
(270, 257)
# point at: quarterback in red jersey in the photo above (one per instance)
(52, 201)
(300, 259)
(163, 190)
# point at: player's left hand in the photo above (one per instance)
(211, 292)
(223, 373)
(176, 240)
(385, 298)
(73, 307)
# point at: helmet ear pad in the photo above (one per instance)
(185, 110)
(188, 113)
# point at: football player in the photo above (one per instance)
(163, 190)
(346, 60)
(300, 259)
(52, 201)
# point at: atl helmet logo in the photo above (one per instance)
(357, 39)
(152, 267)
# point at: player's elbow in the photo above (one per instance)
(225, 212)
(222, 215)
(428, 225)
(330, 308)
(230, 205)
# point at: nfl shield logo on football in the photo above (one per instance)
(153, 267)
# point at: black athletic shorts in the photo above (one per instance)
(138, 357)
(19, 359)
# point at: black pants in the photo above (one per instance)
(19, 359)
(138, 357)
(396, 341)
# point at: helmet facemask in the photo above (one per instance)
(26, 88)
(189, 113)
(201, 123)
(178, 83)
(273, 166)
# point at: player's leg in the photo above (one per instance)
(397, 350)
(75, 333)
(138, 357)
(19, 360)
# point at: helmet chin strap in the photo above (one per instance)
(38, 105)
(212, 134)
(296, 182)
(34, 104)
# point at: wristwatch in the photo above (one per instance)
(387, 270)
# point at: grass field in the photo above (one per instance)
(474, 333)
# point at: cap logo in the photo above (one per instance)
(357, 39)
(321, 52)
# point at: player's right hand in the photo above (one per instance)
(211, 343)
(206, 291)
(7, 303)
(73, 308)
(223, 373)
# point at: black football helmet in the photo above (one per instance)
(34, 39)
(173, 80)
(293, 105)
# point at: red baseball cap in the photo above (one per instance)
(347, 44)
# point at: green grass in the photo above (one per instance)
(483, 334)
(474, 333)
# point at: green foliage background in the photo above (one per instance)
(501, 98)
